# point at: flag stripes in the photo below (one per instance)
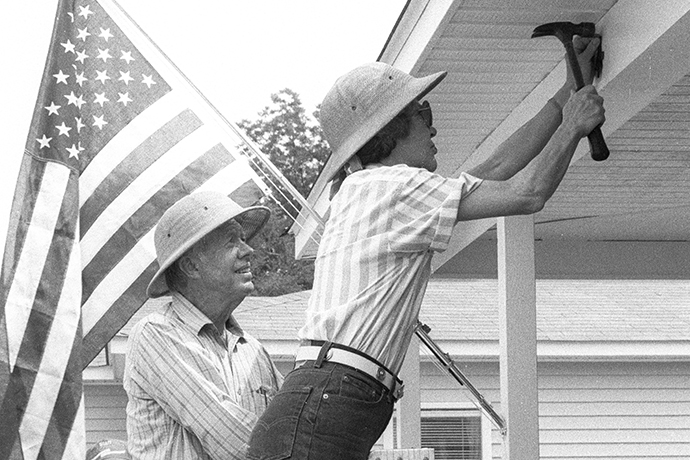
(121, 281)
(105, 157)
(37, 242)
(124, 307)
(58, 377)
(120, 206)
(124, 235)
(42, 325)
(131, 136)
(136, 163)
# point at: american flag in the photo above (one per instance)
(118, 135)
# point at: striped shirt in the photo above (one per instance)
(194, 393)
(374, 259)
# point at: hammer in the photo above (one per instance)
(565, 31)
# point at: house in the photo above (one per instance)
(614, 367)
(579, 314)
(622, 219)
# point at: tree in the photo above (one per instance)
(295, 145)
(293, 141)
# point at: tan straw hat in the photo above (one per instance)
(360, 103)
(192, 218)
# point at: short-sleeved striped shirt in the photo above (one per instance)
(374, 259)
(194, 393)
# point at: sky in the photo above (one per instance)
(237, 53)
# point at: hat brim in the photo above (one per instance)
(419, 88)
(252, 220)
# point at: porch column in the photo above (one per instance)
(409, 407)
(518, 337)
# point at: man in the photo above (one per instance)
(196, 382)
(388, 215)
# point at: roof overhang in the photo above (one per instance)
(499, 78)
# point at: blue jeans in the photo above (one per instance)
(332, 412)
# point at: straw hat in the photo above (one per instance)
(363, 101)
(192, 218)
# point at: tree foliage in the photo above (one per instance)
(294, 143)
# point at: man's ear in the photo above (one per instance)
(189, 265)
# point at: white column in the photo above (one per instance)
(409, 407)
(518, 337)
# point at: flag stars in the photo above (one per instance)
(103, 54)
(80, 78)
(101, 99)
(44, 141)
(80, 124)
(125, 77)
(99, 121)
(52, 108)
(64, 129)
(81, 56)
(69, 47)
(83, 33)
(124, 98)
(105, 34)
(148, 80)
(127, 56)
(76, 100)
(60, 77)
(74, 151)
(85, 11)
(102, 76)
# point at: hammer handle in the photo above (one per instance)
(597, 144)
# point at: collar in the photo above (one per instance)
(192, 316)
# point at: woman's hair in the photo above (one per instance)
(383, 142)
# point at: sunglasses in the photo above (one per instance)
(425, 112)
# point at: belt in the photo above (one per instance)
(355, 359)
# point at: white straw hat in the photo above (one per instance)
(192, 218)
(360, 103)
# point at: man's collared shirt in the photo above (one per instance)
(194, 393)
(374, 258)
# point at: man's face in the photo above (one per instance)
(223, 257)
(417, 149)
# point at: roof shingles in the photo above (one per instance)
(567, 310)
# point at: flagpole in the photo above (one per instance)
(252, 146)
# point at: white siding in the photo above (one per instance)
(623, 411)
(104, 412)
(106, 404)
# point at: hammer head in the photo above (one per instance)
(564, 31)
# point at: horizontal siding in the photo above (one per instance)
(621, 411)
(652, 422)
(105, 412)
(105, 406)
(614, 410)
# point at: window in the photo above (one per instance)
(454, 434)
